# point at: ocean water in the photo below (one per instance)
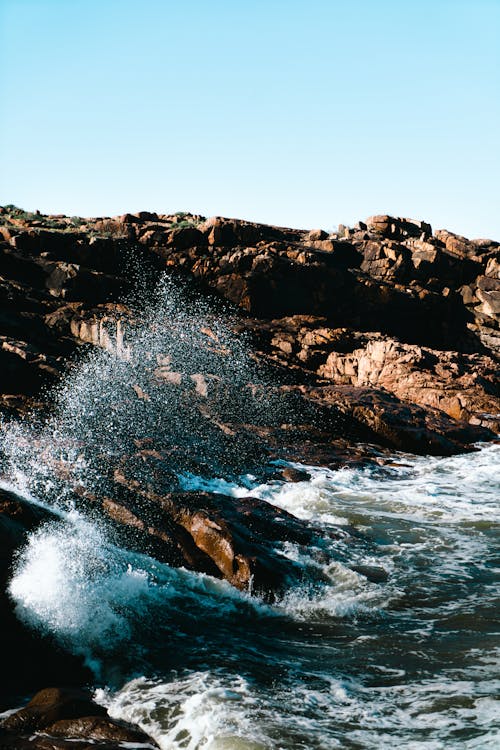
(394, 643)
(398, 646)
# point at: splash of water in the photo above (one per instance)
(178, 393)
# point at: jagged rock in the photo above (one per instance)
(463, 386)
(23, 368)
(400, 425)
(397, 228)
(229, 233)
(231, 538)
(391, 334)
(316, 234)
(488, 292)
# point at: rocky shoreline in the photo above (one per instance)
(379, 338)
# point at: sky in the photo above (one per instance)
(293, 112)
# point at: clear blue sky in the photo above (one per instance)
(300, 113)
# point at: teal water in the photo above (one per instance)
(398, 647)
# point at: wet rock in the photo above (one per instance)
(231, 538)
(60, 718)
(295, 475)
(52, 705)
(96, 728)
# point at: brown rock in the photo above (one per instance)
(229, 233)
(185, 237)
(51, 705)
(227, 537)
(400, 425)
(96, 728)
(295, 475)
(316, 234)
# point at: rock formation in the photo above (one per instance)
(375, 338)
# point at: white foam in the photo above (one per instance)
(198, 711)
(209, 710)
(71, 581)
(458, 489)
(67, 583)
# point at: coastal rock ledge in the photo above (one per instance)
(378, 338)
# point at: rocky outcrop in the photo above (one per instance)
(463, 386)
(405, 251)
(387, 307)
(61, 718)
(376, 338)
(386, 304)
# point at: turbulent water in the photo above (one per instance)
(396, 646)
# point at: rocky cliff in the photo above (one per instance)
(383, 318)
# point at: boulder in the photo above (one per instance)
(231, 538)
(488, 292)
(52, 705)
(316, 234)
(230, 233)
(185, 237)
(66, 718)
(97, 729)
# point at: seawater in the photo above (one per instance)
(398, 647)
(394, 643)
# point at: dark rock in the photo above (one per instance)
(295, 475)
(97, 728)
(66, 718)
(52, 705)
(185, 237)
